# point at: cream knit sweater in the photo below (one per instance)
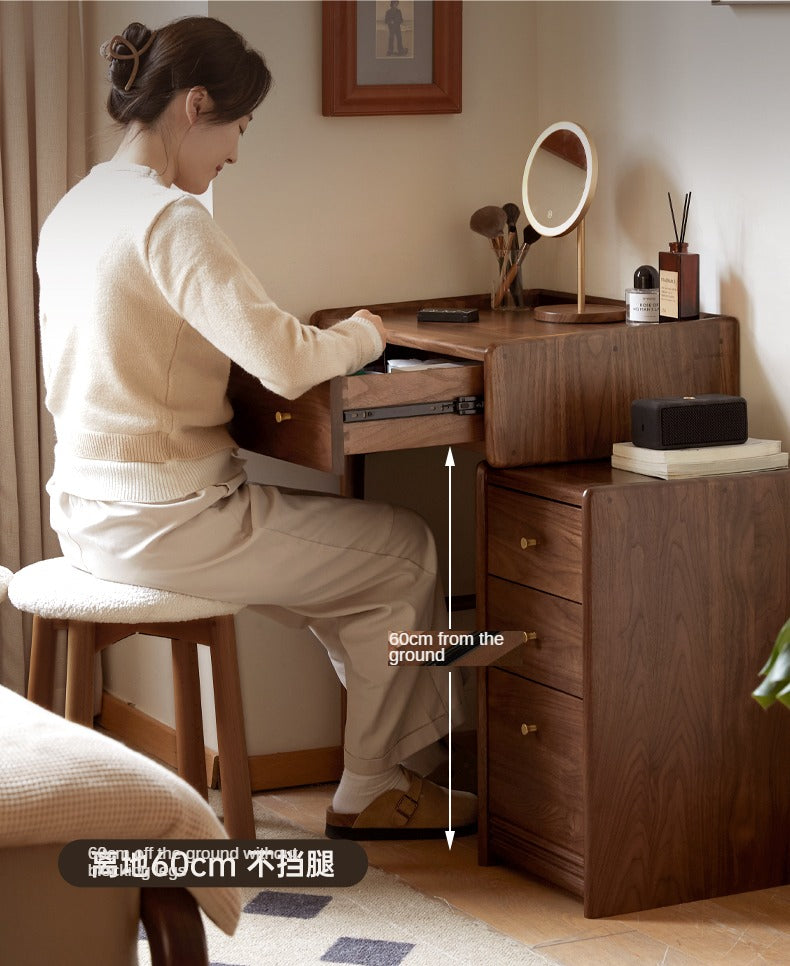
(144, 301)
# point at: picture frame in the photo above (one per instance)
(361, 76)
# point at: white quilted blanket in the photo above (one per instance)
(60, 781)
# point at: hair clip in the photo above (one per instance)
(109, 53)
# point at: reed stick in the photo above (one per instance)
(672, 212)
(686, 206)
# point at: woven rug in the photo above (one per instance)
(380, 921)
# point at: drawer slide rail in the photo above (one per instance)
(461, 405)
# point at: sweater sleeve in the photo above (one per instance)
(202, 277)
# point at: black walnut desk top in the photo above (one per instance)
(550, 392)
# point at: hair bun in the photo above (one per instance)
(124, 51)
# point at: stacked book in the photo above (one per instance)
(671, 464)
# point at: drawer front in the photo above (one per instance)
(552, 653)
(297, 430)
(535, 542)
(373, 391)
(311, 430)
(535, 760)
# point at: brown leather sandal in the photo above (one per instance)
(420, 812)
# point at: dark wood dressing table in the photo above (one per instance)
(550, 392)
(620, 756)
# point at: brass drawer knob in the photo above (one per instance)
(527, 542)
(529, 636)
(281, 417)
(528, 729)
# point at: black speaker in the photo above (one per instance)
(688, 421)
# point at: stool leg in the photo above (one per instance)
(234, 768)
(41, 680)
(189, 717)
(79, 672)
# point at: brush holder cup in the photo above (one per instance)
(506, 288)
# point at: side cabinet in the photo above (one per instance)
(621, 753)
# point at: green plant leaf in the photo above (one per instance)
(776, 686)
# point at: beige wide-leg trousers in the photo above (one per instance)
(352, 571)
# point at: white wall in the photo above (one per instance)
(686, 96)
(333, 211)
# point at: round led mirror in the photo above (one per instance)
(559, 179)
(559, 183)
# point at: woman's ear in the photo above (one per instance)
(197, 102)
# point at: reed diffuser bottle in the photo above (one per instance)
(678, 271)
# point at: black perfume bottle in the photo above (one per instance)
(641, 301)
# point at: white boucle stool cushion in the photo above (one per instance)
(55, 590)
(5, 580)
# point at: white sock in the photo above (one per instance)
(356, 792)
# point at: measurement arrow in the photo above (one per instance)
(450, 834)
(449, 463)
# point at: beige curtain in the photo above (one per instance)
(42, 154)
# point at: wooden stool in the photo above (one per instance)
(97, 613)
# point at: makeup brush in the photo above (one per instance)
(512, 211)
(489, 222)
(531, 235)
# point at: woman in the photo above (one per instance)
(144, 302)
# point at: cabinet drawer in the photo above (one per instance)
(554, 655)
(535, 776)
(357, 414)
(535, 542)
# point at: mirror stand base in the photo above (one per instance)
(570, 313)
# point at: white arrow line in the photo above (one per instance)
(450, 834)
(449, 463)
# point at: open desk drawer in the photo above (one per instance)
(367, 413)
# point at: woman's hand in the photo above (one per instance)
(375, 319)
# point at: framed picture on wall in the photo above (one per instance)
(391, 57)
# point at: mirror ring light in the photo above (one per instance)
(591, 162)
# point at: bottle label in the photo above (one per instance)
(643, 305)
(668, 288)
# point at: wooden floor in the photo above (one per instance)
(745, 929)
